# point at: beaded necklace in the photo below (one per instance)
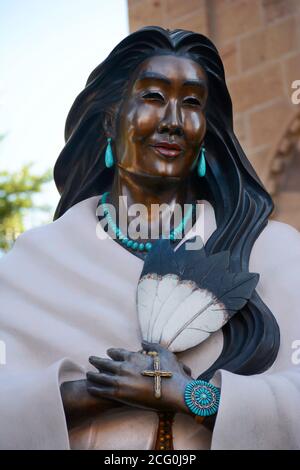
(134, 245)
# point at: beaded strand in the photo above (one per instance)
(134, 245)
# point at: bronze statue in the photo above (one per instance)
(172, 92)
(154, 123)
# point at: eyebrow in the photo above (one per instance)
(157, 76)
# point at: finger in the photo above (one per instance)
(147, 346)
(119, 354)
(107, 365)
(102, 379)
(153, 347)
(101, 392)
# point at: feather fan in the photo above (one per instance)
(185, 295)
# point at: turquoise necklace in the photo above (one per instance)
(134, 245)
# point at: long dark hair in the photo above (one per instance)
(242, 205)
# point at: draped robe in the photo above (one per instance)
(67, 294)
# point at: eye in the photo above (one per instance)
(192, 101)
(153, 96)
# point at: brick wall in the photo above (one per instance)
(172, 14)
(259, 41)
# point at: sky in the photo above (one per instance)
(48, 48)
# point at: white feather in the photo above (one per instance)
(177, 314)
(164, 290)
(194, 319)
(146, 293)
(182, 290)
(187, 339)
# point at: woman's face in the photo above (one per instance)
(163, 110)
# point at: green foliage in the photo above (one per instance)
(17, 191)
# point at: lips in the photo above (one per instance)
(168, 150)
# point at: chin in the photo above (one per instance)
(163, 176)
(153, 173)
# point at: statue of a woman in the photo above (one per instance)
(153, 124)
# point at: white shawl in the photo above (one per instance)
(66, 295)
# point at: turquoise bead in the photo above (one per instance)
(109, 158)
(135, 245)
(202, 398)
(202, 164)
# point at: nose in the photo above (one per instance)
(172, 121)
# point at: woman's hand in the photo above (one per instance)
(79, 405)
(120, 378)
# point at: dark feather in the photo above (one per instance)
(208, 272)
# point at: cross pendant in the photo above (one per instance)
(157, 374)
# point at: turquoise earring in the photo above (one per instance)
(202, 164)
(109, 158)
